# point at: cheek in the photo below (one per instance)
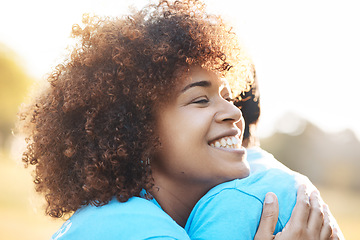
(182, 145)
(183, 135)
(185, 126)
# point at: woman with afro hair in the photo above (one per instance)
(128, 131)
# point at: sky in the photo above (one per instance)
(307, 53)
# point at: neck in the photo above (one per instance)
(177, 200)
(250, 142)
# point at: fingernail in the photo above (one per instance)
(269, 199)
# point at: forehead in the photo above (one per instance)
(198, 75)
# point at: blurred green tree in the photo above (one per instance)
(14, 83)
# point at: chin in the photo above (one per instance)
(243, 171)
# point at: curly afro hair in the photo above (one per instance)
(91, 133)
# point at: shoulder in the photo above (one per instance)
(220, 214)
(270, 175)
(263, 162)
(137, 218)
(225, 200)
(229, 191)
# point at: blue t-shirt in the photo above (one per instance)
(135, 219)
(232, 210)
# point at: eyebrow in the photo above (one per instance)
(203, 83)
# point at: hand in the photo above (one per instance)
(309, 220)
(337, 234)
(269, 218)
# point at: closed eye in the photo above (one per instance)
(201, 101)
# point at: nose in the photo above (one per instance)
(228, 112)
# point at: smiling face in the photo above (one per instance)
(199, 134)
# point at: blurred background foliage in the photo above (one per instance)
(14, 83)
(330, 160)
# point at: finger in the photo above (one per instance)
(335, 227)
(335, 235)
(326, 230)
(316, 218)
(269, 218)
(301, 211)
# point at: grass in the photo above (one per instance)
(23, 218)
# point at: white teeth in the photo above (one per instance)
(226, 142)
(223, 142)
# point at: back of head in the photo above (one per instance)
(249, 103)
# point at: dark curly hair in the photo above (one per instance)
(91, 133)
(249, 104)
